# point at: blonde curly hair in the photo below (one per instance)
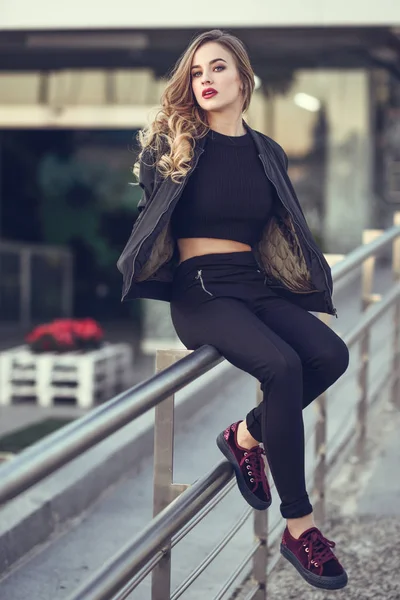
(170, 138)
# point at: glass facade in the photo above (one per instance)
(323, 123)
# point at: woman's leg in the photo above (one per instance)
(249, 344)
(324, 358)
(323, 354)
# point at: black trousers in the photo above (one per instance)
(222, 300)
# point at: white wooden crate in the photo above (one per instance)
(85, 376)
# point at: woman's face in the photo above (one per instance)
(215, 78)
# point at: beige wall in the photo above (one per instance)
(48, 14)
(82, 88)
(79, 99)
(338, 90)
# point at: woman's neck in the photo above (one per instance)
(227, 127)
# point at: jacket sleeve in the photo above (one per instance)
(282, 156)
(279, 152)
(146, 178)
(285, 159)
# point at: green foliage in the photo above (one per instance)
(22, 438)
(76, 197)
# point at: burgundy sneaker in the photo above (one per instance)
(249, 468)
(312, 556)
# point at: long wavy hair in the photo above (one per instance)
(180, 121)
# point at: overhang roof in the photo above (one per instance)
(272, 50)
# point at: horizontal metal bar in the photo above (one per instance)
(370, 316)
(253, 592)
(237, 572)
(203, 513)
(54, 451)
(356, 257)
(333, 460)
(104, 584)
(133, 583)
(211, 555)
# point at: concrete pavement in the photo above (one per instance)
(364, 521)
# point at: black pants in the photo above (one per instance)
(222, 300)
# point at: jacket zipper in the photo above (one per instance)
(304, 238)
(159, 219)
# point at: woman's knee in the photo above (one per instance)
(282, 367)
(334, 358)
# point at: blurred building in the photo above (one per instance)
(328, 90)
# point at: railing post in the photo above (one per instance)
(164, 489)
(368, 269)
(320, 448)
(260, 560)
(395, 399)
(395, 392)
(321, 428)
(362, 406)
(396, 250)
(320, 457)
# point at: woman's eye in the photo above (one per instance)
(217, 68)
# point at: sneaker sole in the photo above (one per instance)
(250, 498)
(326, 583)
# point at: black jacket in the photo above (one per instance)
(287, 253)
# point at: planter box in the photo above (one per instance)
(86, 377)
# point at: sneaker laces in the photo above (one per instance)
(318, 548)
(255, 467)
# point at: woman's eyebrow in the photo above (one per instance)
(211, 62)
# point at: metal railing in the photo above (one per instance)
(26, 270)
(180, 507)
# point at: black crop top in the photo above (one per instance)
(228, 196)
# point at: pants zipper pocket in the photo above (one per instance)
(265, 277)
(200, 277)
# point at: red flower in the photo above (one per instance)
(65, 335)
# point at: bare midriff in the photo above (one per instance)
(190, 247)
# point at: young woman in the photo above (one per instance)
(222, 237)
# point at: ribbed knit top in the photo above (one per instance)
(228, 196)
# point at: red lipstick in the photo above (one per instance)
(209, 93)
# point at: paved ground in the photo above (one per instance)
(367, 552)
(364, 509)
